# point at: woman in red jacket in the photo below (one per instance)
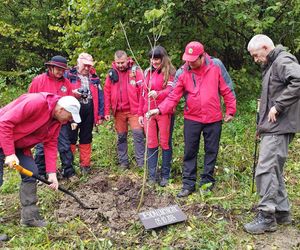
(158, 83)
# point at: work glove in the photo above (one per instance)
(10, 160)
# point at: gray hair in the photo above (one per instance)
(260, 40)
(120, 53)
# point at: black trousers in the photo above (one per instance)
(65, 153)
(85, 128)
(25, 161)
(211, 134)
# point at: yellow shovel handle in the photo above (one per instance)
(22, 170)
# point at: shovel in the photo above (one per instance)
(26, 172)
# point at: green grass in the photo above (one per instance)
(216, 222)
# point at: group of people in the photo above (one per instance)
(64, 104)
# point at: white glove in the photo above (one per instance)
(74, 125)
(10, 160)
(152, 112)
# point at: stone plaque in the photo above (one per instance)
(162, 216)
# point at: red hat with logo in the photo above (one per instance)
(192, 51)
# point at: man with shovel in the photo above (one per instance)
(31, 119)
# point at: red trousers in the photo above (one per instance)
(158, 131)
(122, 119)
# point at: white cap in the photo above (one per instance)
(86, 58)
(72, 105)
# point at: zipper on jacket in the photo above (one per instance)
(194, 80)
(121, 95)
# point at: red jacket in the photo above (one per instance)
(124, 94)
(202, 89)
(155, 81)
(27, 121)
(45, 83)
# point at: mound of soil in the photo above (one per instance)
(117, 199)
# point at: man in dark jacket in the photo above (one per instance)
(86, 86)
(279, 120)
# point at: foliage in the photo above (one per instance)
(217, 225)
(33, 31)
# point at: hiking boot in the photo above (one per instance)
(85, 170)
(67, 174)
(283, 217)
(151, 182)
(124, 166)
(163, 182)
(3, 237)
(33, 223)
(184, 193)
(263, 222)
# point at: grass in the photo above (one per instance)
(215, 223)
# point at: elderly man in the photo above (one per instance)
(53, 81)
(202, 79)
(122, 91)
(278, 122)
(86, 85)
(29, 120)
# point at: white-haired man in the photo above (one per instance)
(86, 85)
(278, 122)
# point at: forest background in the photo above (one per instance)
(32, 31)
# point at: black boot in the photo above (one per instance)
(30, 215)
(263, 222)
(283, 217)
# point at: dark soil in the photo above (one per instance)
(117, 198)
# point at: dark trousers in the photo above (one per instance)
(65, 153)
(85, 128)
(25, 161)
(211, 134)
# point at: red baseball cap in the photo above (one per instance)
(192, 51)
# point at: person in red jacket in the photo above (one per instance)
(157, 85)
(122, 91)
(29, 120)
(53, 81)
(202, 79)
(86, 86)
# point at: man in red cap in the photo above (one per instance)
(28, 120)
(53, 81)
(86, 86)
(201, 79)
